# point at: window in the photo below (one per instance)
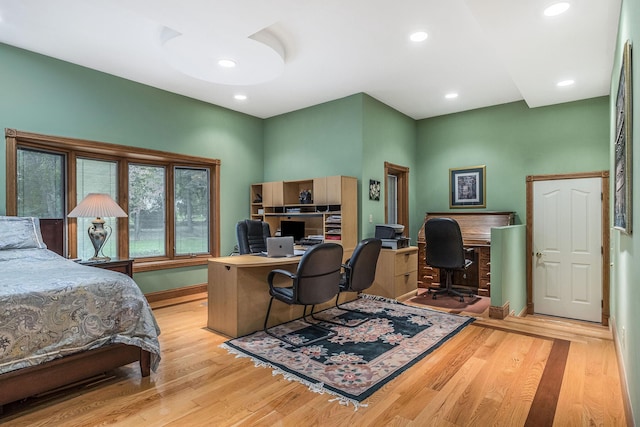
(191, 211)
(40, 182)
(147, 211)
(96, 176)
(171, 199)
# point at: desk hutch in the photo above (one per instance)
(331, 210)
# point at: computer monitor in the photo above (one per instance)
(292, 228)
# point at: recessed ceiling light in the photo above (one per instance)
(564, 83)
(227, 63)
(557, 9)
(451, 95)
(240, 97)
(418, 36)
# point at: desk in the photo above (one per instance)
(239, 294)
(396, 274)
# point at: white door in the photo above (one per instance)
(567, 254)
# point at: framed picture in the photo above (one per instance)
(623, 160)
(467, 187)
(374, 190)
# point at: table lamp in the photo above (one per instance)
(98, 205)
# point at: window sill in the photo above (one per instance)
(141, 266)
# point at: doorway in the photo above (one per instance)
(567, 233)
(396, 195)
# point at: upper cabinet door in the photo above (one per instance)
(327, 190)
(273, 194)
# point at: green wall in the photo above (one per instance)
(509, 267)
(351, 136)
(43, 95)
(388, 136)
(513, 141)
(625, 264)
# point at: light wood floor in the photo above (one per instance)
(488, 374)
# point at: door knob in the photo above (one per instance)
(539, 254)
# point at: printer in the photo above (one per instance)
(391, 236)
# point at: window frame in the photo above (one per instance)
(123, 155)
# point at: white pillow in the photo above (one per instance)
(20, 233)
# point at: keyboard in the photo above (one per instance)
(309, 242)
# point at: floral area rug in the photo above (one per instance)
(389, 337)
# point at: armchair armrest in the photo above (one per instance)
(272, 274)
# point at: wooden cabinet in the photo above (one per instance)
(396, 273)
(114, 264)
(327, 190)
(272, 193)
(476, 235)
(331, 210)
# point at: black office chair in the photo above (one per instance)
(360, 269)
(315, 281)
(444, 250)
(252, 236)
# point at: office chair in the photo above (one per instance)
(315, 281)
(360, 269)
(252, 236)
(444, 250)
(358, 274)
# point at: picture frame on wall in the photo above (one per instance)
(374, 190)
(622, 196)
(467, 187)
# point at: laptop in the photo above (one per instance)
(278, 247)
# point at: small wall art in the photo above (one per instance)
(467, 187)
(374, 190)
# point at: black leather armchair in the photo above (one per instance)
(360, 269)
(445, 250)
(316, 281)
(252, 236)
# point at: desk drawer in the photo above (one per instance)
(406, 282)
(406, 262)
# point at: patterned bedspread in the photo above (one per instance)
(52, 307)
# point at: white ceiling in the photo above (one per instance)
(293, 54)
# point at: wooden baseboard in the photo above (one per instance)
(628, 413)
(499, 312)
(156, 299)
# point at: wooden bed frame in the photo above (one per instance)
(26, 382)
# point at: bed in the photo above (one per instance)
(61, 322)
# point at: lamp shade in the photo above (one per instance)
(97, 205)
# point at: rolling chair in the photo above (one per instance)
(315, 281)
(444, 250)
(252, 236)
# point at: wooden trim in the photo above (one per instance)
(604, 175)
(141, 266)
(176, 293)
(402, 173)
(12, 168)
(499, 312)
(108, 149)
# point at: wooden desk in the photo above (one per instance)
(239, 294)
(476, 234)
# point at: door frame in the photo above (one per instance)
(402, 173)
(604, 175)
